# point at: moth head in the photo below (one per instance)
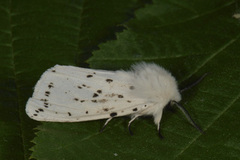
(170, 91)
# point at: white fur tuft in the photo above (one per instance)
(154, 84)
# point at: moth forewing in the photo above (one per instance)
(72, 94)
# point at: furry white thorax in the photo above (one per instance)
(155, 84)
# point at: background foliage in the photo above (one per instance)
(187, 37)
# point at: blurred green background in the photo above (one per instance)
(187, 37)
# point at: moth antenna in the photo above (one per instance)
(194, 84)
(105, 124)
(187, 115)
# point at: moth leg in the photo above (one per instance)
(159, 131)
(129, 124)
(157, 120)
(105, 124)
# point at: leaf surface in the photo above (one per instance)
(188, 38)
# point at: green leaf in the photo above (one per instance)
(189, 38)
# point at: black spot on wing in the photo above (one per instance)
(135, 109)
(45, 105)
(35, 114)
(95, 95)
(40, 109)
(45, 100)
(129, 101)
(82, 101)
(86, 112)
(69, 114)
(79, 87)
(113, 114)
(89, 76)
(102, 100)
(120, 96)
(99, 91)
(105, 109)
(109, 80)
(37, 111)
(94, 101)
(132, 87)
(50, 85)
(47, 93)
(110, 95)
(84, 85)
(53, 70)
(76, 99)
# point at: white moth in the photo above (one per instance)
(72, 94)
